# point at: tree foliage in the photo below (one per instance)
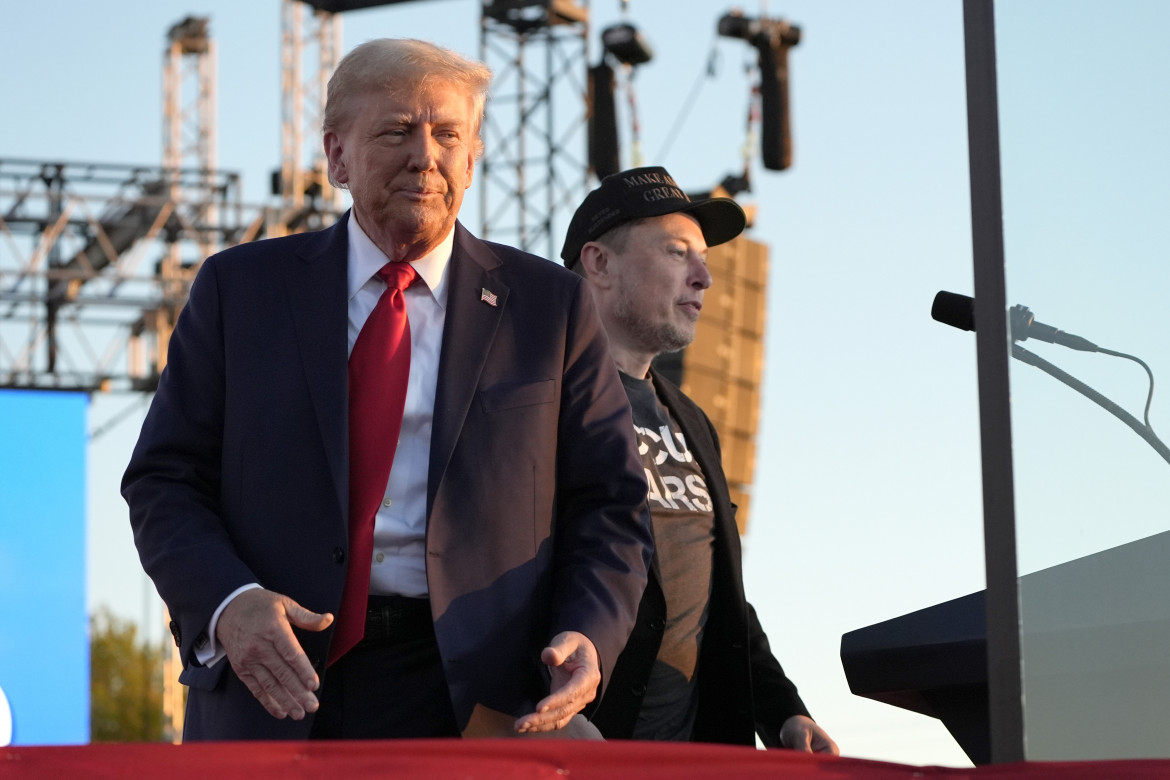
(126, 687)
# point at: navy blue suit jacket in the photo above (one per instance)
(536, 520)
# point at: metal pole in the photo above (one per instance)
(1005, 686)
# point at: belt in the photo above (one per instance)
(391, 620)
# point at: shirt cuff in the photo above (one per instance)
(210, 653)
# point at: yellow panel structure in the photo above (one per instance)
(723, 368)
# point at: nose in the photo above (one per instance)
(700, 274)
(422, 152)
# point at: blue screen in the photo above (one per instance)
(44, 631)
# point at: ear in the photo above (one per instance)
(595, 259)
(470, 168)
(335, 157)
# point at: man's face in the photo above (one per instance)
(659, 279)
(407, 155)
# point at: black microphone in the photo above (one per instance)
(953, 309)
(958, 311)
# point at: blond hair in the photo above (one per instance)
(384, 64)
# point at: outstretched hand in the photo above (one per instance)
(255, 630)
(803, 734)
(576, 672)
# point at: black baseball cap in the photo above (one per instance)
(647, 192)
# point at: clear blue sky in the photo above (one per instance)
(867, 500)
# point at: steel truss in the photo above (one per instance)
(534, 168)
(96, 260)
(310, 48)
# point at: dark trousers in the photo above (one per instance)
(391, 685)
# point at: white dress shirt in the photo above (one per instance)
(399, 561)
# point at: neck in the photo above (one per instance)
(405, 249)
(630, 363)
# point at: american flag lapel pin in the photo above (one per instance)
(488, 297)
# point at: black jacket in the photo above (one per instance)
(742, 688)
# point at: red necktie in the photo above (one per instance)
(378, 369)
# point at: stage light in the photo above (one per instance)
(772, 38)
(604, 157)
(626, 44)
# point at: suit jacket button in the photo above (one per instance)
(338, 555)
(657, 624)
(637, 689)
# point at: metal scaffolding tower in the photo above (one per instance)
(89, 281)
(535, 167)
(189, 102)
(96, 258)
(310, 48)
(189, 140)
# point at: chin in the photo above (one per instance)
(419, 220)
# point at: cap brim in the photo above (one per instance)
(720, 219)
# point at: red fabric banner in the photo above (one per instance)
(510, 759)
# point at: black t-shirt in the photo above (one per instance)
(684, 537)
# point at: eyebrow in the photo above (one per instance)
(409, 119)
(682, 239)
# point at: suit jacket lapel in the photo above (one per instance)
(467, 337)
(318, 301)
